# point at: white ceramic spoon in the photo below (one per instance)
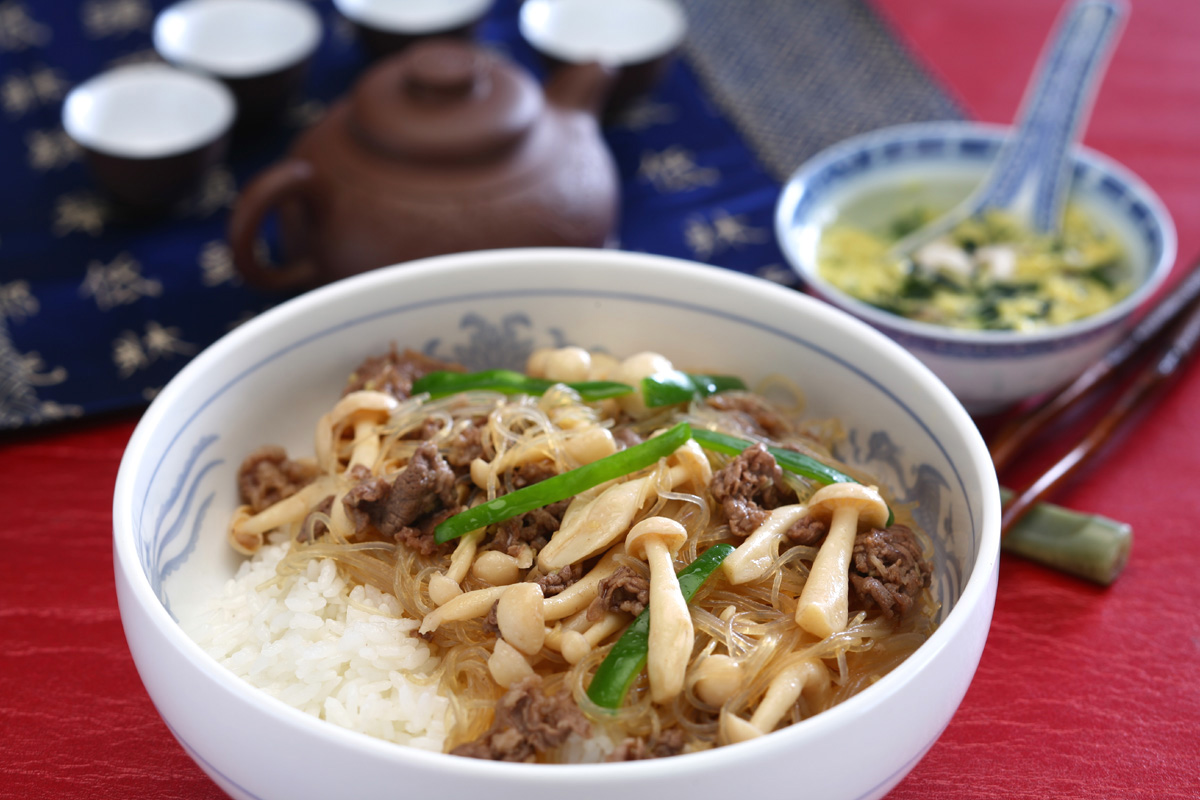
(1032, 173)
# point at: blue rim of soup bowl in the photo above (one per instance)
(976, 586)
(856, 158)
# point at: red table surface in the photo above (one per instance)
(1082, 691)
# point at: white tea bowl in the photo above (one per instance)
(271, 378)
(261, 49)
(150, 132)
(870, 179)
(637, 39)
(389, 26)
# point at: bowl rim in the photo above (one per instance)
(76, 110)
(794, 188)
(181, 14)
(978, 586)
(417, 19)
(537, 19)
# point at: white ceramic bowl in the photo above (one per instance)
(237, 38)
(147, 111)
(268, 380)
(868, 179)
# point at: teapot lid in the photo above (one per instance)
(444, 100)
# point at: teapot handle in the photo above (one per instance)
(290, 178)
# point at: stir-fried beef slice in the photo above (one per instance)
(752, 413)
(888, 569)
(528, 723)
(533, 528)
(807, 531)
(395, 372)
(468, 444)
(532, 472)
(748, 487)
(491, 622)
(627, 436)
(421, 536)
(364, 500)
(668, 743)
(624, 590)
(267, 476)
(428, 428)
(559, 580)
(425, 486)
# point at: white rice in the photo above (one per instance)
(344, 655)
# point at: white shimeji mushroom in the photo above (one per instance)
(364, 410)
(247, 531)
(467, 605)
(593, 521)
(521, 618)
(444, 587)
(785, 689)
(573, 599)
(657, 539)
(507, 664)
(631, 371)
(498, 569)
(574, 645)
(822, 607)
(716, 678)
(754, 556)
(580, 594)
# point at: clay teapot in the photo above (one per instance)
(442, 148)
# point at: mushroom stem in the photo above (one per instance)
(581, 593)
(822, 607)
(824, 601)
(375, 406)
(445, 587)
(671, 633)
(592, 524)
(785, 689)
(753, 558)
(289, 509)
(465, 606)
(574, 645)
(366, 443)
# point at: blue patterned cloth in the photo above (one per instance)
(97, 314)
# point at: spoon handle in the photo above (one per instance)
(1032, 173)
(1077, 61)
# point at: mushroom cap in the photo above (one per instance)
(665, 529)
(872, 509)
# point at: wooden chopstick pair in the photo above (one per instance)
(1170, 330)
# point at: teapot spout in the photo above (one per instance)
(581, 87)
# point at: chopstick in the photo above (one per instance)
(1011, 439)
(1173, 324)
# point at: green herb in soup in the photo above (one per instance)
(989, 273)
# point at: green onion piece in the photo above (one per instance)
(628, 656)
(790, 460)
(794, 462)
(442, 383)
(567, 484)
(669, 388)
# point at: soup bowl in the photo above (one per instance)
(269, 380)
(870, 180)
